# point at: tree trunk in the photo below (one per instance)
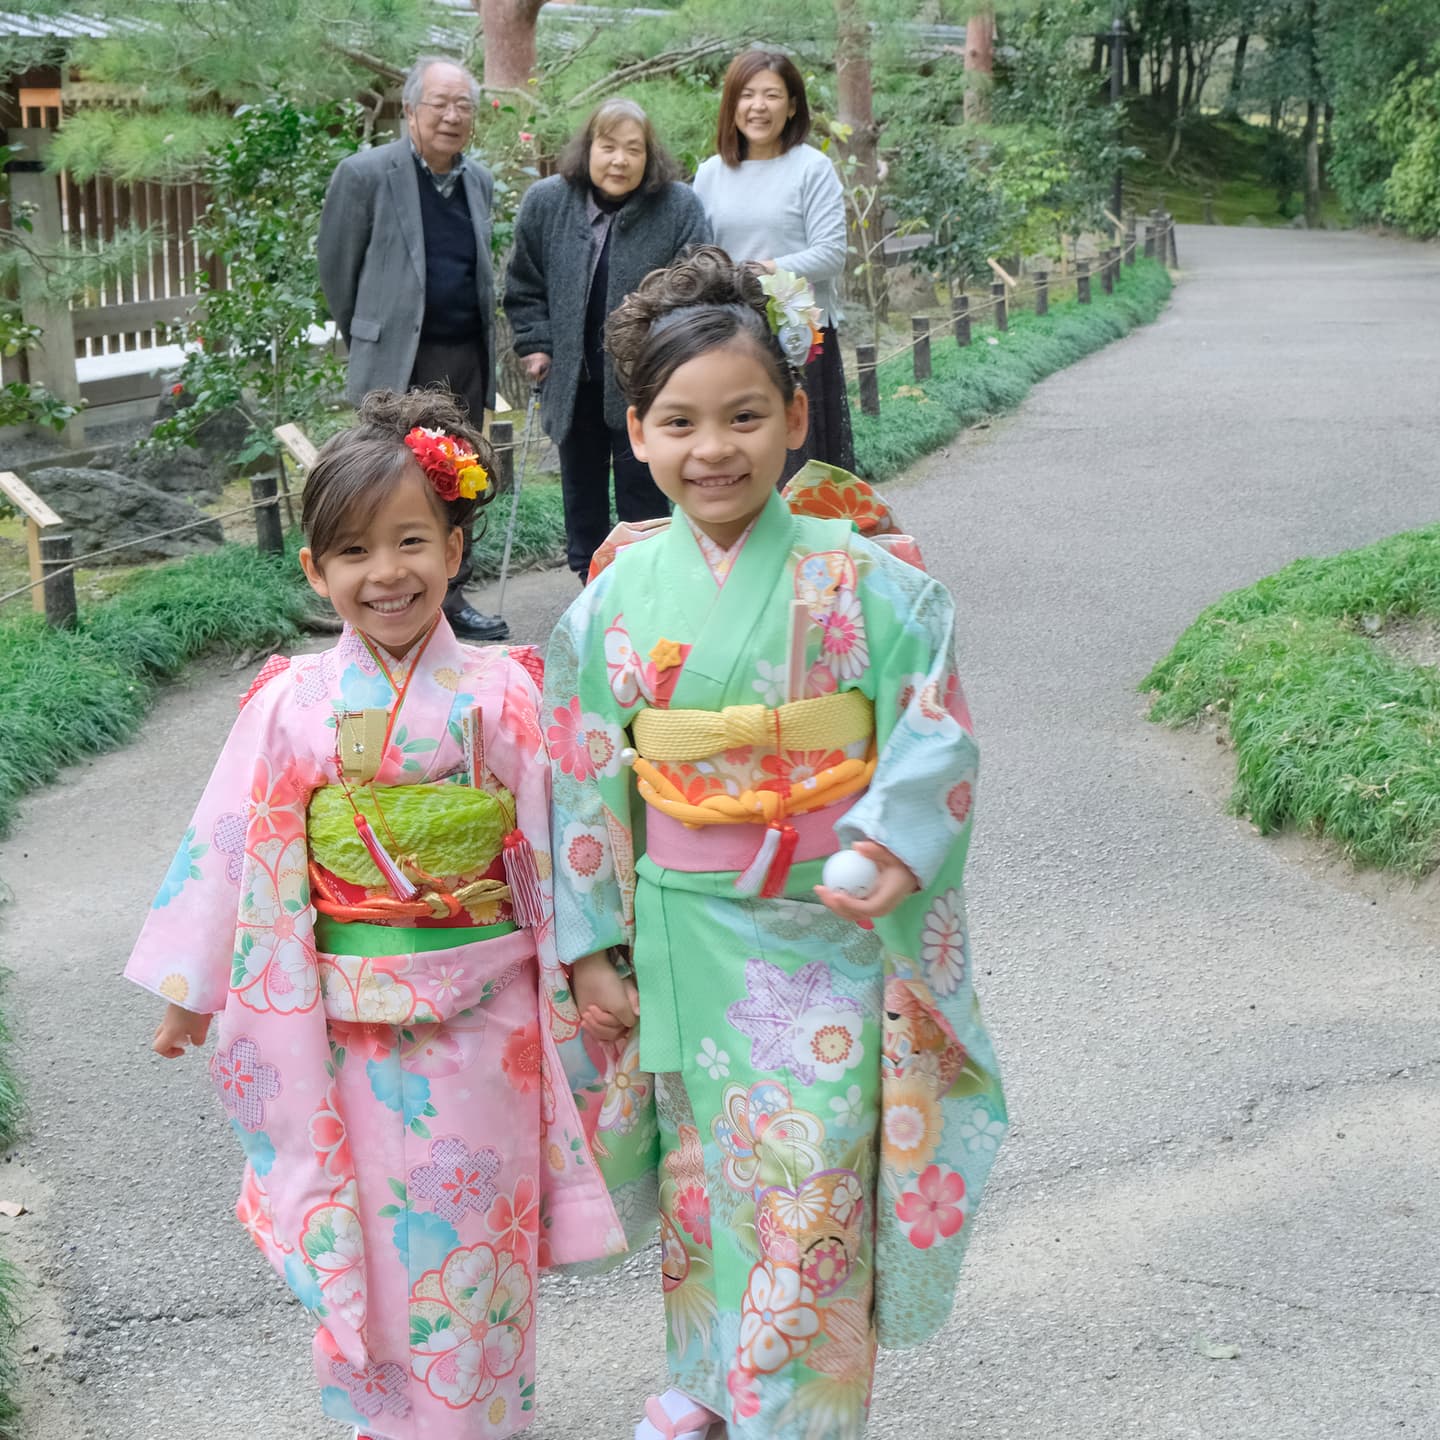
(979, 63)
(1312, 163)
(1237, 75)
(1312, 129)
(508, 27)
(854, 90)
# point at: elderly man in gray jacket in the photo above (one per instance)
(404, 250)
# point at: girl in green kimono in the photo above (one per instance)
(729, 703)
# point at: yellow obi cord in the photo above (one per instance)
(825, 722)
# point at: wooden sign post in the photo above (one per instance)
(39, 517)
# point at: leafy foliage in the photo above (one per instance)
(253, 342)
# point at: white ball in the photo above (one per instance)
(850, 872)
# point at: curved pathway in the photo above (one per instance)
(1224, 1070)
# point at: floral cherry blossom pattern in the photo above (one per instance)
(631, 678)
(762, 1115)
(981, 1131)
(584, 745)
(797, 1022)
(958, 800)
(522, 1057)
(842, 637)
(692, 1213)
(934, 1209)
(585, 855)
(468, 1324)
(457, 1180)
(274, 967)
(330, 1139)
(245, 1081)
(627, 1086)
(514, 1220)
(714, 1061)
(374, 1391)
(778, 1319)
(942, 942)
(333, 1245)
(910, 1126)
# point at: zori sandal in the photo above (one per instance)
(675, 1416)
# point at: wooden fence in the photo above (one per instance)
(131, 312)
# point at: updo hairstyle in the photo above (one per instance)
(676, 314)
(357, 468)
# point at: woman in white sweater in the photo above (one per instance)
(773, 199)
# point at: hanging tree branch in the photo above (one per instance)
(666, 63)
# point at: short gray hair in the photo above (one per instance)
(415, 79)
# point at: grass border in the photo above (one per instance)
(10, 1278)
(1332, 735)
(993, 374)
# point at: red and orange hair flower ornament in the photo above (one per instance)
(450, 465)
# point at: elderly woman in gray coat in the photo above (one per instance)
(584, 239)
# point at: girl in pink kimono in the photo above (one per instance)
(363, 898)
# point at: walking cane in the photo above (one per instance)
(515, 499)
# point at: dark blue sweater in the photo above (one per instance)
(452, 308)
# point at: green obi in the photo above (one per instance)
(449, 829)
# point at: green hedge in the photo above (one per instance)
(1331, 733)
(982, 379)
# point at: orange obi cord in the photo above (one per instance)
(383, 909)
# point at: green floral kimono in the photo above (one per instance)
(826, 1104)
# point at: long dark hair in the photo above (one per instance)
(661, 168)
(695, 304)
(730, 144)
(357, 468)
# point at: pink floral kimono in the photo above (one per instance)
(413, 1149)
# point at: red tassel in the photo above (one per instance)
(395, 878)
(779, 871)
(523, 878)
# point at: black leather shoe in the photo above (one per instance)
(469, 624)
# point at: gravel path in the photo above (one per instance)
(1223, 1069)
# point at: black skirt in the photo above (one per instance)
(829, 439)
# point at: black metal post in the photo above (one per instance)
(55, 555)
(502, 440)
(960, 318)
(865, 359)
(920, 334)
(269, 536)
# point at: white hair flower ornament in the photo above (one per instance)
(793, 315)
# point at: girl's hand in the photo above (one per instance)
(609, 1004)
(897, 883)
(537, 367)
(179, 1028)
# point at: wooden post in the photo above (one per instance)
(1130, 239)
(1042, 292)
(50, 360)
(1170, 234)
(1207, 213)
(269, 537)
(298, 446)
(865, 360)
(1002, 317)
(920, 334)
(502, 438)
(1082, 281)
(960, 319)
(1107, 273)
(1150, 239)
(55, 555)
(39, 517)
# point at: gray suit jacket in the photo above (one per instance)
(372, 263)
(548, 282)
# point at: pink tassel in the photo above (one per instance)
(751, 880)
(523, 878)
(395, 878)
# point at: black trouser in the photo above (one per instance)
(586, 456)
(460, 367)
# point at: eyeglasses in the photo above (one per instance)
(465, 109)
